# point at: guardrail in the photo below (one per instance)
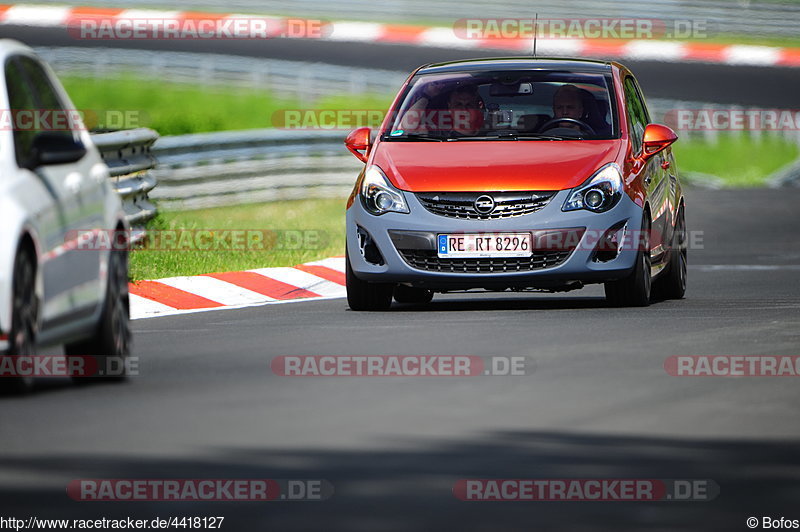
(215, 169)
(128, 155)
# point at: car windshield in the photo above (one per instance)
(505, 105)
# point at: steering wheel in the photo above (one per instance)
(583, 125)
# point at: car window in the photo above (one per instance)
(20, 98)
(637, 113)
(35, 106)
(503, 104)
(43, 90)
(47, 98)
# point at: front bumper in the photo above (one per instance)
(394, 235)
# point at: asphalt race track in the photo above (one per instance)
(769, 87)
(598, 403)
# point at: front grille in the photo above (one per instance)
(462, 204)
(429, 261)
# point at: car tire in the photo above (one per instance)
(24, 320)
(634, 290)
(410, 294)
(672, 283)
(362, 295)
(112, 337)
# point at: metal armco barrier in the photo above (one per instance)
(234, 167)
(128, 156)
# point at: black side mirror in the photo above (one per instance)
(55, 147)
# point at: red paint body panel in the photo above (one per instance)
(470, 166)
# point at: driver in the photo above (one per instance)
(567, 103)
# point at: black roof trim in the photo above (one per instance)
(517, 63)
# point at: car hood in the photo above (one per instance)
(484, 166)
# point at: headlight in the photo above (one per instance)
(378, 194)
(599, 193)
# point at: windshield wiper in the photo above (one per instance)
(413, 136)
(538, 136)
(512, 136)
(527, 136)
(483, 137)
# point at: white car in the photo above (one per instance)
(54, 186)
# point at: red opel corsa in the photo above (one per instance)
(516, 174)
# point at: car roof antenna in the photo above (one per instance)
(535, 32)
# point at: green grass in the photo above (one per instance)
(738, 160)
(785, 41)
(294, 232)
(178, 109)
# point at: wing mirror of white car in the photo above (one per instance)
(51, 147)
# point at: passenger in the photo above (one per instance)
(466, 111)
(431, 98)
(457, 114)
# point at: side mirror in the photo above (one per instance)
(358, 141)
(55, 147)
(656, 139)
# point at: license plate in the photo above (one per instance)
(484, 245)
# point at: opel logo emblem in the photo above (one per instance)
(484, 204)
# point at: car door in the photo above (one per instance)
(654, 175)
(70, 274)
(663, 165)
(36, 196)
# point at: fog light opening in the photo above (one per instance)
(368, 249)
(609, 246)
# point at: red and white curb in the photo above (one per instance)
(345, 31)
(323, 279)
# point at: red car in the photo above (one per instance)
(516, 174)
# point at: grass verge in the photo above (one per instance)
(180, 243)
(738, 160)
(179, 109)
